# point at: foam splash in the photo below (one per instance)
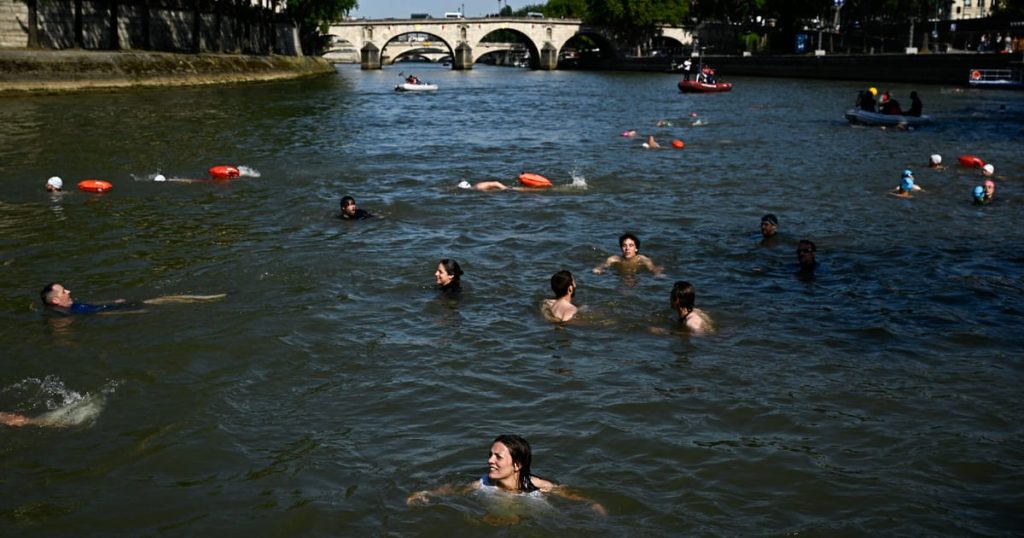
(65, 407)
(248, 171)
(579, 181)
(75, 413)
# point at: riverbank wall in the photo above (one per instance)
(949, 68)
(34, 71)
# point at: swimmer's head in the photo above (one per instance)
(465, 185)
(988, 169)
(907, 183)
(935, 159)
(159, 177)
(908, 173)
(54, 184)
(646, 145)
(873, 90)
(979, 193)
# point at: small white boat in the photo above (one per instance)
(863, 117)
(421, 87)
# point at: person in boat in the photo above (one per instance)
(508, 472)
(888, 105)
(631, 258)
(448, 277)
(564, 287)
(57, 298)
(866, 100)
(682, 299)
(935, 162)
(349, 210)
(915, 105)
(412, 79)
(687, 69)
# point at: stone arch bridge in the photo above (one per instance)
(464, 38)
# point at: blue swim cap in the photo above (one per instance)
(908, 173)
(979, 192)
(907, 184)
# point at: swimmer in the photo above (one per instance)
(935, 162)
(988, 170)
(979, 195)
(54, 184)
(906, 185)
(58, 298)
(990, 190)
(769, 230)
(561, 308)
(805, 256)
(448, 277)
(486, 186)
(651, 143)
(629, 133)
(349, 210)
(631, 258)
(682, 299)
(508, 472)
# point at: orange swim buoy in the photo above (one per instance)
(975, 75)
(94, 185)
(678, 144)
(223, 172)
(971, 161)
(536, 181)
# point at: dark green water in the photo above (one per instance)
(881, 397)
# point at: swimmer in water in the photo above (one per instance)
(978, 195)
(935, 162)
(57, 298)
(769, 230)
(631, 258)
(448, 277)
(508, 471)
(564, 287)
(54, 184)
(906, 186)
(651, 143)
(486, 186)
(10, 419)
(988, 170)
(682, 300)
(805, 256)
(349, 210)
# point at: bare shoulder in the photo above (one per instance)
(541, 484)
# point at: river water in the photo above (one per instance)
(881, 396)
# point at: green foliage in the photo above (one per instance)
(635, 21)
(534, 8)
(311, 15)
(569, 9)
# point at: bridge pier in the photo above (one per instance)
(369, 57)
(548, 57)
(463, 59)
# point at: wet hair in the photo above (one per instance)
(45, 293)
(770, 218)
(452, 268)
(627, 235)
(806, 243)
(683, 295)
(560, 283)
(347, 199)
(522, 455)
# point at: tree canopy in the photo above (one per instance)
(310, 15)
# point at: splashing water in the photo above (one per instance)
(65, 407)
(248, 171)
(579, 181)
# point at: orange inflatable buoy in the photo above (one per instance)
(975, 75)
(534, 180)
(678, 144)
(971, 161)
(94, 185)
(223, 172)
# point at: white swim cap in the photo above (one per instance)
(646, 146)
(989, 169)
(159, 177)
(465, 185)
(55, 182)
(936, 159)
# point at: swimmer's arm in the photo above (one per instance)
(184, 298)
(11, 419)
(657, 270)
(566, 493)
(607, 263)
(423, 497)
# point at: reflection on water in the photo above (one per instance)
(881, 396)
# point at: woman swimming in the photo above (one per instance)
(448, 277)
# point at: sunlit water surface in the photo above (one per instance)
(882, 396)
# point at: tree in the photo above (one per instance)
(568, 9)
(310, 15)
(636, 21)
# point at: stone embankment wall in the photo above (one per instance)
(244, 29)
